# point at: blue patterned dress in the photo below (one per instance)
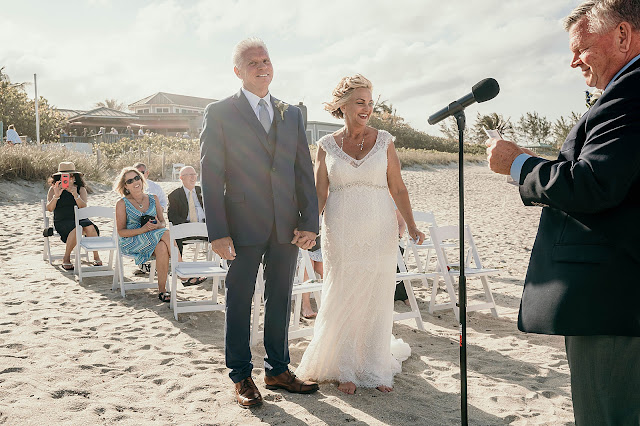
(140, 246)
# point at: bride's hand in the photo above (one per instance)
(416, 235)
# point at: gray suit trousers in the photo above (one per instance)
(605, 379)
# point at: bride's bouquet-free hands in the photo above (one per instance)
(416, 235)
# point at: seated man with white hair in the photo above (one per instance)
(185, 205)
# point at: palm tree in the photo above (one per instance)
(112, 104)
(491, 121)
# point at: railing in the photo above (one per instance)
(107, 137)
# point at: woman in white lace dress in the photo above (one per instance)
(356, 169)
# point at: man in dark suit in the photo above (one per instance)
(185, 205)
(582, 280)
(260, 201)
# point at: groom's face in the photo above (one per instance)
(255, 71)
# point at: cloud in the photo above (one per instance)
(420, 54)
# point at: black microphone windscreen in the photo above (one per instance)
(485, 90)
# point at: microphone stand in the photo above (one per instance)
(462, 285)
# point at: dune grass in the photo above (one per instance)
(32, 163)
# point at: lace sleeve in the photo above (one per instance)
(386, 138)
(322, 142)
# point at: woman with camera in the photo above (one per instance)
(68, 190)
(141, 227)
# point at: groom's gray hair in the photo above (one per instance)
(243, 46)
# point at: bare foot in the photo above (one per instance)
(307, 312)
(406, 302)
(348, 387)
(384, 389)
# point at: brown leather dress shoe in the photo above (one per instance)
(247, 393)
(290, 382)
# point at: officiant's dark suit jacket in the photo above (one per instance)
(250, 183)
(583, 275)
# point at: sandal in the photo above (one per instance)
(164, 297)
(67, 266)
(97, 263)
(189, 282)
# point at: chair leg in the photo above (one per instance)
(78, 262)
(174, 292)
(489, 296)
(413, 303)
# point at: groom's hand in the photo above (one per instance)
(304, 239)
(224, 248)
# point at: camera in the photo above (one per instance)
(64, 180)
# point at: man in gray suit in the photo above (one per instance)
(582, 280)
(261, 205)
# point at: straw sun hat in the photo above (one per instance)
(67, 167)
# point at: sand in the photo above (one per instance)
(81, 354)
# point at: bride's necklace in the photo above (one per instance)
(361, 144)
(138, 202)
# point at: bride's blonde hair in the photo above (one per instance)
(343, 91)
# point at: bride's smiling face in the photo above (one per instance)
(359, 107)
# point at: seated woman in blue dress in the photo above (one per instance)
(141, 226)
(61, 201)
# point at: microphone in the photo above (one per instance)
(482, 91)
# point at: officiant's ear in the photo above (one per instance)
(237, 71)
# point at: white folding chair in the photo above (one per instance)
(406, 278)
(300, 287)
(150, 282)
(47, 223)
(313, 284)
(175, 170)
(448, 270)
(209, 268)
(101, 243)
(423, 263)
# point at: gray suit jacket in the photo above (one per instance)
(248, 186)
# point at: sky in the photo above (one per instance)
(419, 54)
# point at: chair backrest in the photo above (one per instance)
(45, 218)
(441, 234)
(188, 230)
(108, 213)
(425, 217)
(305, 265)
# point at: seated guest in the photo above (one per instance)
(153, 189)
(61, 201)
(141, 227)
(12, 135)
(185, 205)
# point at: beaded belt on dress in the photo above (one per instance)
(356, 184)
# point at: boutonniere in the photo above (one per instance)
(282, 107)
(592, 97)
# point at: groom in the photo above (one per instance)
(261, 205)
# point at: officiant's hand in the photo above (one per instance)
(224, 248)
(304, 239)
(500, 155)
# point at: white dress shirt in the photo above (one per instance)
(155, 189)
(253, 101)
(199, 210)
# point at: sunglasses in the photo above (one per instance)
(133, 179)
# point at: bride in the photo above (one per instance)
(356, 169)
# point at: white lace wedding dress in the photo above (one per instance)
(352, 332)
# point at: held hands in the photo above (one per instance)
(304, 239)
(224, 248)
(416, 235)
(501, 153)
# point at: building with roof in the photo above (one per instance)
(161, 113)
